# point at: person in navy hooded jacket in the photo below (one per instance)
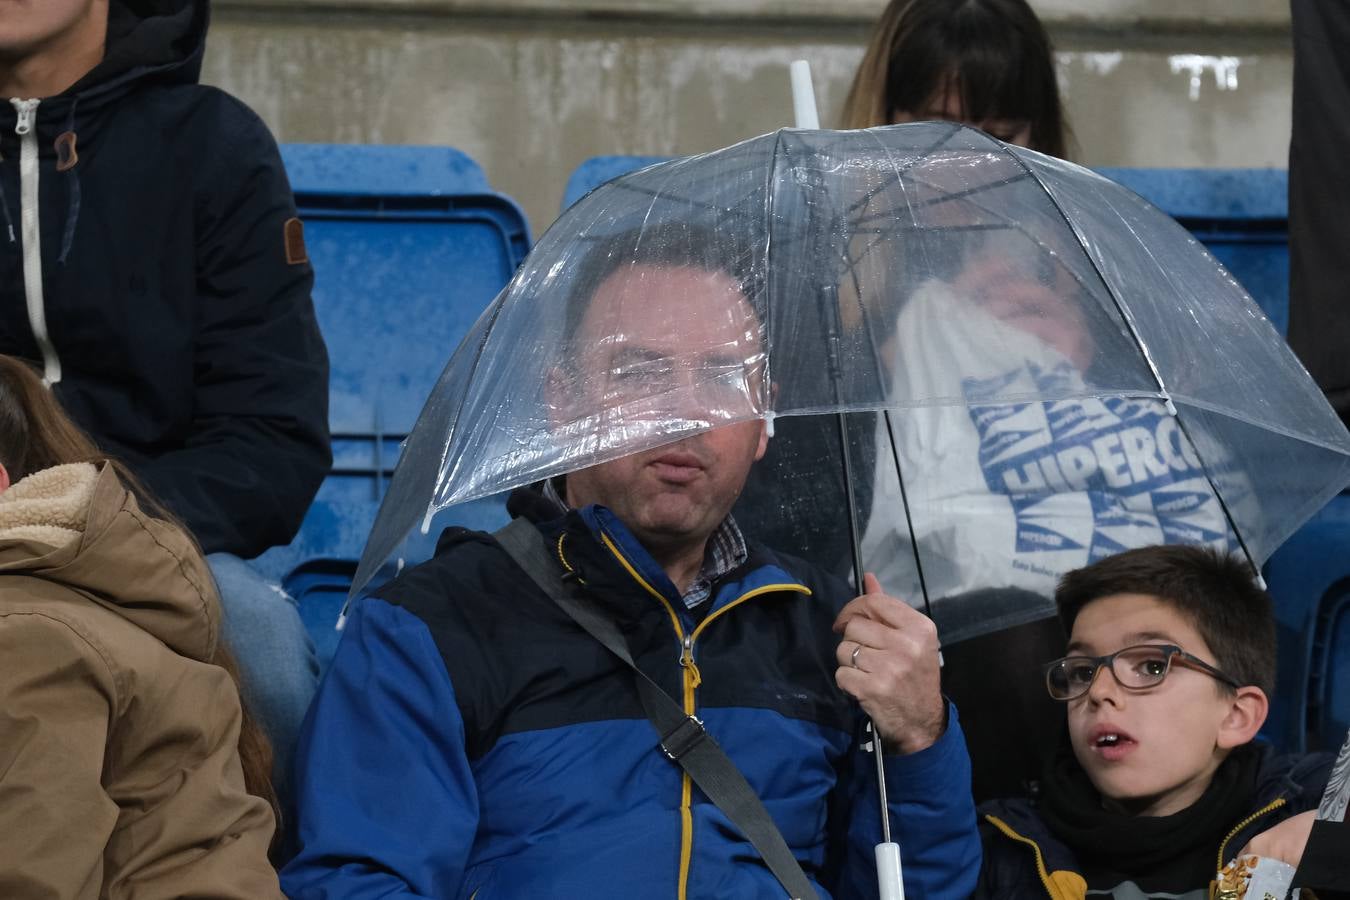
(471, 740)
(151, 263)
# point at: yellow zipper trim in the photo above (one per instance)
(674, 619)
(1035, 847)
(748, 595)
(1223, 847)
(562, 559)
(692, 679)
(1059, 885)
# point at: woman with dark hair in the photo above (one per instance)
(128, 767)
(986, 63)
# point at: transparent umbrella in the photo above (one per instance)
(985, 367)
(1037, 368)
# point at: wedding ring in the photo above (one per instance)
(854, 658)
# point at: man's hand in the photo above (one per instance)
(1285, 841)
(888, 661)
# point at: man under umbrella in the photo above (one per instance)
(472, 740)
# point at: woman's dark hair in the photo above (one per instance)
(993, 53)
(36, 434)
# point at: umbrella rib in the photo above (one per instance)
(770, 247)
(1189, 400)
(1007, 222)
(957, 401)
(968, 192)
(897, 173)
(1017, 226)
(886, 417)
(909, 518)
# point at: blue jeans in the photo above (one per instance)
(277, 665)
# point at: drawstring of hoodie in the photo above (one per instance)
(9, 221)
(67, 159)
(4, 204)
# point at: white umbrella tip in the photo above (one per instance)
(803, 95)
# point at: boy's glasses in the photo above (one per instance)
(1135, 669)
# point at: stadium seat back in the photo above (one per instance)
(409, 245)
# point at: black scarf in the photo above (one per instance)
(1181, 847)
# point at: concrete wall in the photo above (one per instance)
(530, 88)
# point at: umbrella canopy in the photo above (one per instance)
(1037, 366)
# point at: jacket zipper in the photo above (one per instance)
(692, 679)
(1223, 847)
(1056, 895)
(1062, 884)
(1035, 848)
(32, 236)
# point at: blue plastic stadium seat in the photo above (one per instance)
(1240, 215)
(598, 169)
(409, 245)
(1329, 687)
(1309, 578)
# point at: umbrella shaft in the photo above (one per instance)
(858, 583)
(881, 784)
(850, 504)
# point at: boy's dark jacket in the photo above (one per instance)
(186, 339)
(1023, 859)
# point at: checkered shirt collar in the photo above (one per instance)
(726, 551)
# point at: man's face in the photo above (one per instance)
(28, 26)
(663, 347)
(1168, 738)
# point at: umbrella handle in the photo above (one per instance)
(889, 882)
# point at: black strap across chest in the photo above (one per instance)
(683, 737)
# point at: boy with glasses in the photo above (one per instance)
(1170, 665)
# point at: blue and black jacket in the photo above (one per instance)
(471, 740)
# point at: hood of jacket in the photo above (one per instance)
(77, 527)
(161, 40)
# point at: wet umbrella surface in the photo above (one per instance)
(1035, 367)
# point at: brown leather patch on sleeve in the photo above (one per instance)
(294, 236)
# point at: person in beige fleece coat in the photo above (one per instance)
(121, 774)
